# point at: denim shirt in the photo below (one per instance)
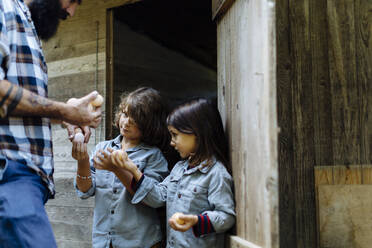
(116, 219)
(199, 190)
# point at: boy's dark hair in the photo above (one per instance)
(149, 111)
(202, 118)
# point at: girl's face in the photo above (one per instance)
(184, 143)
(128, 127)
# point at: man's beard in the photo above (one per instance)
(46, 15)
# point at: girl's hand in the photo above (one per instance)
(79, 151)
(102, 161)
(182, 222)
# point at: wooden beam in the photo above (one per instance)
(220, 6)
(237, 242)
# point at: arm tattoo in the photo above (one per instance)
(15, 100)
(6, 95)
(39, 100)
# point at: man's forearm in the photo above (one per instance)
(16, 101)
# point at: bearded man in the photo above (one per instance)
(26, 158)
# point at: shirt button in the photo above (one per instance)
(194, 189)
(179, 195)
(171, 178)
(115, 191)
(112, 211)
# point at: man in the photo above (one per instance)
(26, 159)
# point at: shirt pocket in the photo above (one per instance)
(198, 202)
(103, 179)
(172, 187)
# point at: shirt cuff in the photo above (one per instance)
(135, 185)
(203, 226)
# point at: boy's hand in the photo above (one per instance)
(102, 161)
(79, 151)
(182, 222)
(120, 159)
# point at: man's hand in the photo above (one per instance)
(182, 222)
(80, 112)
(71, 131)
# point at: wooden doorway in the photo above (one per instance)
(167, 45)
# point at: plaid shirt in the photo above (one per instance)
(27, 140)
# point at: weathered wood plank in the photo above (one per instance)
(322, 106)
(251, 123)
(363, 24)
(237, 242)
(111, 30)
(77, 65)
(284, 101)
(344, 86)
(78, 31)
(219, 7)
(75, 85)
(75, 50)
(304, 151)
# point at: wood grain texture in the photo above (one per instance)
(344, 86)
(284, 107)
(304, 152)
(249, 110)
(344, 216)
(363, 33)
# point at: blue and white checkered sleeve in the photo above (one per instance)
(4, 46)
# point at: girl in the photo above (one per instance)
(198, 192)
(141, 119)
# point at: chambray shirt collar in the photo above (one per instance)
(117, 143)
(202, 168)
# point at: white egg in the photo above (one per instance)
(98, 101)
(79, 137)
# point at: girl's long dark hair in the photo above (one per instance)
(202, 118)
(147, 108)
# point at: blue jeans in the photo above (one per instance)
(23, 220)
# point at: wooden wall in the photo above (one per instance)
(247, 101)
(324, 75)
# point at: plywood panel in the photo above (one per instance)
(347, 174)
(345, 216)
(248, 87)
(367, 174)
(323, 175)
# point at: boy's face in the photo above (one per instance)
(128, 127)
(184, 143)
